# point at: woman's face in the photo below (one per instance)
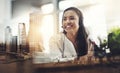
(70, 21)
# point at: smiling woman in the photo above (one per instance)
(72, 43)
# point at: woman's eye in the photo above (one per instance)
(64, 19)
(72, 18)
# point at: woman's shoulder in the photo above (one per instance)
(57, 36)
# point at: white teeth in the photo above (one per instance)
(67, 26)
(64, 27)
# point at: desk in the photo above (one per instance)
(17, 67)
(66, 67)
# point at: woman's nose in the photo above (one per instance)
(67, 21)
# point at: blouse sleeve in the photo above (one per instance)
(54, 45)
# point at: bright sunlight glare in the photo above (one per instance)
(47, 30)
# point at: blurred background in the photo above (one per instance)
(42, 19)
(27, 25)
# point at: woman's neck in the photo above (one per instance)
(71, 36)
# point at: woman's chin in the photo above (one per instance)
(68, 31)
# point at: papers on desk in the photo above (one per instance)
(40, 57)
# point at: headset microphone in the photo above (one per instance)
(63, 27)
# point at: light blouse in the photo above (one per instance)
(61, 48)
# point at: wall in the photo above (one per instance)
(5, 16)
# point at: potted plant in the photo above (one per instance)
(114, 41)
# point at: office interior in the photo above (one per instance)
(42, 18)
(99, 16)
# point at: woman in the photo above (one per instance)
(72, 43)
